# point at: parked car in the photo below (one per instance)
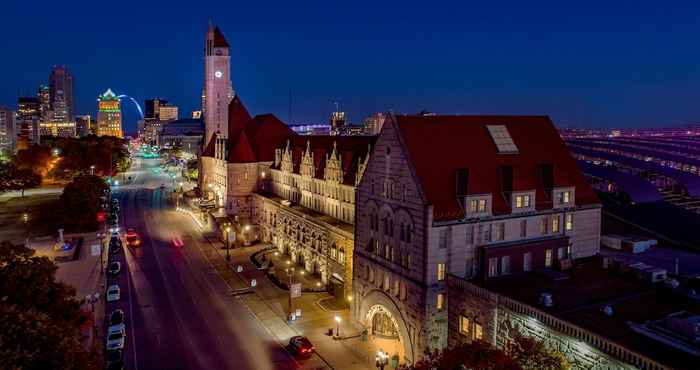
(113, 293)
(115, 268)
(115, 340)
(116, 318)
(301, 346)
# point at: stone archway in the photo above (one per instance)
(393, 323)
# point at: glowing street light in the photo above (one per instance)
(337, 326)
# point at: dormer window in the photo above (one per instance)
(478, 205)
(565, 197)
(522, 201)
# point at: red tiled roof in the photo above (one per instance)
(440, 145)
(267, 133)
(219, 39)
(241, 151)
(238, 118)
(210, 149)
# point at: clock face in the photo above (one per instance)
(218, 74)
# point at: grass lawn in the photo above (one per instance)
(44, 217)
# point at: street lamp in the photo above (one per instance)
(290, 273)
(92, 170)
(228, 230)
(337, 326)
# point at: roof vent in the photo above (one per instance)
(501, 137)
(546, 300)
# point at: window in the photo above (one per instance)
(334, 253)
(569, 223)
(387, 251)
(548, 258)
(473, 205)
(501, 137)
(386, 282)
(470, 234)
(555, 224)
(463, 325)
(543, 226)
(523, 228)
(560, 253)
(441, 271)
(565, 197)
(478, 331)
(499, 231)
(443, 238)
(440, 301)
(527, 261)
(522, 201)
(493, 266)
(341, 256)
(505, 265)
(482, 205)
(396, 288)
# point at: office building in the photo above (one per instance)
(185, 134)
(44, 95)
(373, 124)
(109, 116)
(7, 131)
(168, 113)
(83, 125)
(61, 89)
(27, 122)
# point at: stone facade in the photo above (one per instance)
(476, 313)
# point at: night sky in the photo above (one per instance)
(594, 66)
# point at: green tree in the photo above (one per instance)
(475, 355)
(13, 178)
(532, 354)
(81, 201)
(40, 317)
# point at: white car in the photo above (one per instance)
(115, 339)
(113, 293)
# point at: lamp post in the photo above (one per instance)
(337, 326)
(92, 170)
(290, 273)
(228, 230)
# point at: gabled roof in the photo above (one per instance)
(210, 149)
(241, 152)
(350, 149)
(238, 118)
(440, 145)
(219, 39)
(267, 133)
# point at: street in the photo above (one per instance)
(178, 312)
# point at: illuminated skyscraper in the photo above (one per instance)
(61, 88)
(44, 95)
(7, 130)
(27, 123)
(109, 115)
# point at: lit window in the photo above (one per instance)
(472, 205)
(463, 325)
(555, 224)
(441, 271)
(519, 201)
(548, 258)
(505, 265)
(341, 256)
(440, 301)
(478, 331)
(482, 205)
(564, 197)
(493, 266)
(569, 224)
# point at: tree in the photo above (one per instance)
(533, 354)
(81, 201)
(40, 317)
(475, 355)
(13, 178)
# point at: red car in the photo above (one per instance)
(132, 238)
(301, 346)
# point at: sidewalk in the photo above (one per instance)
(269, 304)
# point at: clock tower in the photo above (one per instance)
(218, 91)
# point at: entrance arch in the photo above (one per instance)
(382, 318)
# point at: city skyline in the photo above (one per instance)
(364, 59)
